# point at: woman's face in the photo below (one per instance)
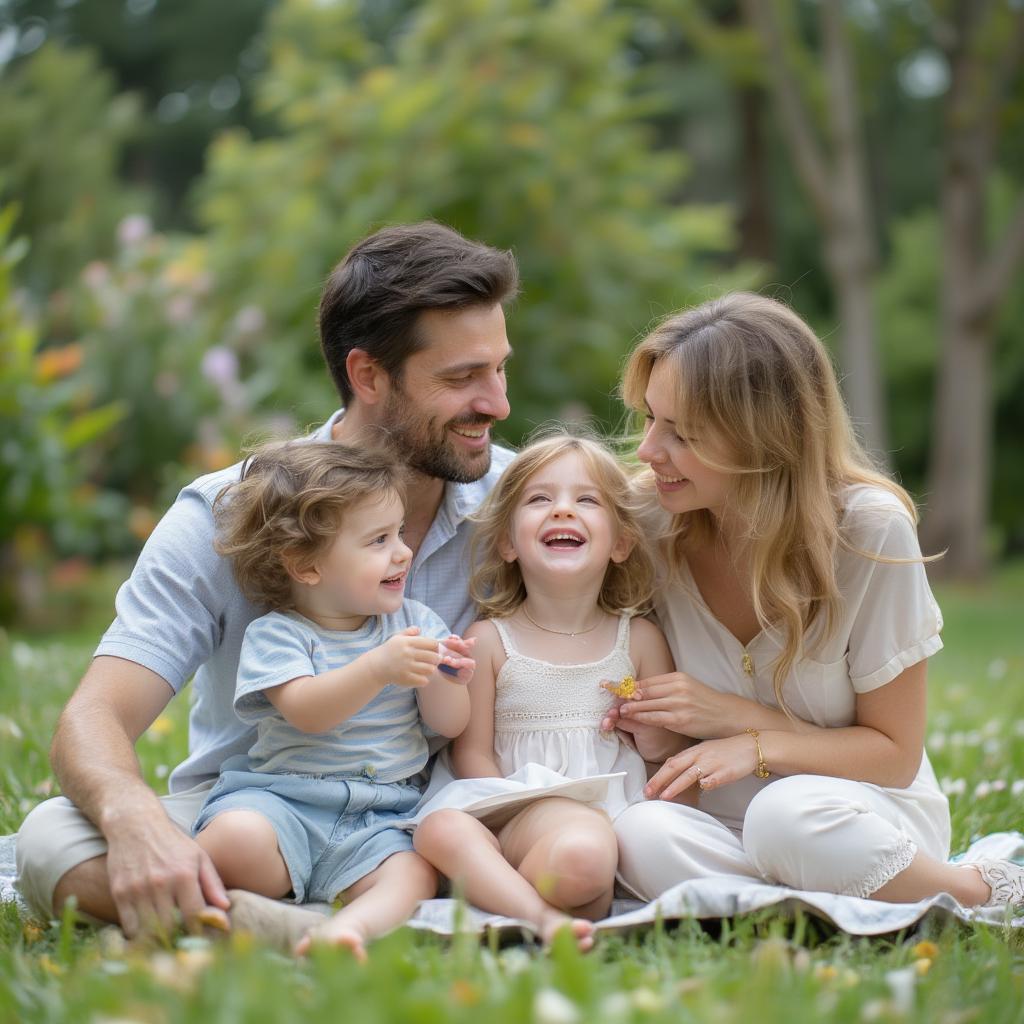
(685, 484)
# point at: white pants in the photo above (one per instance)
(56, 837)
(807, 832)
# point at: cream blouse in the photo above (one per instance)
(888, 621)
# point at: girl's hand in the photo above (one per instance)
(710, 764)
(456, 661)
(683, 704)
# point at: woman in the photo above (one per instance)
(799, 615)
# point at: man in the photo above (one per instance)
(412, 329)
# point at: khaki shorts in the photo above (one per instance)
(56, 837)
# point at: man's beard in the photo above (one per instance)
(426, 447)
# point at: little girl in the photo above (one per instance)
(561, 570)
(338, 680)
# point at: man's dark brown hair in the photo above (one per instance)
(373, 297)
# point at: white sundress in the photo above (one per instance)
(548, 740)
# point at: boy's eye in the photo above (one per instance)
(382, 539)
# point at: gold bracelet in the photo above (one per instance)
(761, 771)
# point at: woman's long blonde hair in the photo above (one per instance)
(754, 379)
(497, 585)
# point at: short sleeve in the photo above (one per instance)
(896, 622)
(430, 623)
(275, 650)
(170, 611)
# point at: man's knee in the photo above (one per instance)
(54, 838)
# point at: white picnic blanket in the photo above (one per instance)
(704, 898)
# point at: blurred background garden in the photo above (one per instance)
(177, 179)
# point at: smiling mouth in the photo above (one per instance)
(473, 433)
(392, 581)
(670, 479)
(563, 539)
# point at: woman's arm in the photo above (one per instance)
(884, 747)
(472, 752)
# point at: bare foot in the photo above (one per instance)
(581, 929)
(335, 933)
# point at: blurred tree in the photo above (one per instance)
(190, 63)
(62, 129)
(477, 113)
(984, 47)
(821, 122)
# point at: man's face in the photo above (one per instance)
(440, 410)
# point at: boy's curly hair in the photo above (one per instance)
(287, 506)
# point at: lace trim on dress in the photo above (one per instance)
(887, 869)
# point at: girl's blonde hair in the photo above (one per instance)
(754, 380)
(497, 585)
(287, 506)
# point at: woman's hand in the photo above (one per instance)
(683, 704)
(710, 764)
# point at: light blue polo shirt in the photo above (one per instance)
(180, 613)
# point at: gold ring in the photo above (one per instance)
(696, 768)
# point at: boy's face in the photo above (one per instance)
(441, 408)
(363, 571)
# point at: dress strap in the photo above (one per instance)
(506, 640)
(622, 638)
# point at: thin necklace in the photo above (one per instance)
(560, 632)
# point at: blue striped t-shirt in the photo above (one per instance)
(383, 741)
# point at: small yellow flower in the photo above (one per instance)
(925, 950)
(625, 688)
(163, 726)
(923, 966)
(465, 993)
(825, 972)
(31, 932)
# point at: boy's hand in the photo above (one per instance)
(405, 659)
(456, 660)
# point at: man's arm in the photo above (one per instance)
(154, 870)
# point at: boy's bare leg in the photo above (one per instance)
(243, 848)
(467, 852)
(379, 902)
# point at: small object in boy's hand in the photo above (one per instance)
(448, 670)
(625, 688)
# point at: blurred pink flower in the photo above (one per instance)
(179, 309)
(96, 274)
(250, 320)
(220, 365)
(134, 229)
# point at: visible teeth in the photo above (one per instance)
(470, 433)
(669, 479)
(563, 536)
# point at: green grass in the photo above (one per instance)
(756, 970)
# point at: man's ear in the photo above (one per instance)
(505, 548)
(368, 379)
(300, 570)
(622, 548)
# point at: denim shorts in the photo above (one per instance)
(331, 831)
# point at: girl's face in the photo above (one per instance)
(562, 526)
(685, 484)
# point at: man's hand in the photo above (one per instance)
(405, 659)
(160, 878)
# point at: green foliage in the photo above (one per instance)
(62, 129)
(49, 425)
(518, 124)
(143, 320)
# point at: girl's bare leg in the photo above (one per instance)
(568, 851)
(379, 902)
(467, 852)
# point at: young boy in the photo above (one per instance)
(339, 679)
